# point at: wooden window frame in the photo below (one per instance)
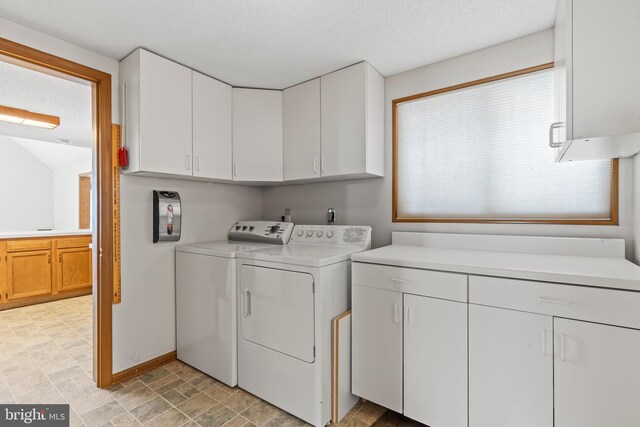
(613, 217)
(103, 246)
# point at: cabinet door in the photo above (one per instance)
(74, 268)
(562, 60)
(257, 135)
(28, 274)
(596, 375)
(212, 149)
(510, 368)
(165, 116)
(605, 67)
(343, 109)
(435, 361)
(302, 131)
(377, 346)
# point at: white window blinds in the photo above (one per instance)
(482, 153)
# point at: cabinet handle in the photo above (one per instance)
(406, 316)
(235, 168)
(401, 281)
(315, 165)
(562, 352)
(554, 300)
(247, 303)
(323, 166)
(554, 126)
(396, 313)
(196, 160)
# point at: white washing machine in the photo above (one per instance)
(206, 326)
(288, 297)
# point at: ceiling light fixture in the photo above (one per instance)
(28, 118)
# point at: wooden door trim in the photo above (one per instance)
(101, 100)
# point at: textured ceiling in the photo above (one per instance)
(278, 43)
(41, 93)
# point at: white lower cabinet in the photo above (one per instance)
(435, 361)
(597, 376)
(510, 368)
(377, 346)
(410, 354)
(509, 355)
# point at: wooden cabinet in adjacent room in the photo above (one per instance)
(28, 274)
(34, 270)
(74, 264)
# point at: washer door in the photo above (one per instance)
(278, 310)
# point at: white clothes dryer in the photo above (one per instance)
(288, 298)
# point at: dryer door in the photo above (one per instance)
(278, 310)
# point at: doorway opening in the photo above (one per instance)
(66, 262)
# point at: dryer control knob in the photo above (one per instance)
(309, 233)
(329, 234)
(319, 233)
(300, 232)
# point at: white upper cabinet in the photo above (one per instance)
(257, 135)
(302, 131)
(182, 123)
(212, 146)
(157, 114)
(596, 47)
(352, 122)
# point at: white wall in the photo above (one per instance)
(368, 202)
(27, 189)
(144, 323)
(67, 194)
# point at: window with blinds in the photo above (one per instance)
(479, 153)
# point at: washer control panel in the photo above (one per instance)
(334, 234)
(277, 233)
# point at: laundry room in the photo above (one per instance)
(308, 213)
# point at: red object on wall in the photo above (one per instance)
(123, 160)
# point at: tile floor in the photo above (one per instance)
(46, 357)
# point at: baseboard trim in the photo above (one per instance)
(143, 367)
(45, 298)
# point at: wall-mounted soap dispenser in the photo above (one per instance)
(166, 216)
(331, 216)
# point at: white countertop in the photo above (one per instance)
(616, 273)
(48, 233)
